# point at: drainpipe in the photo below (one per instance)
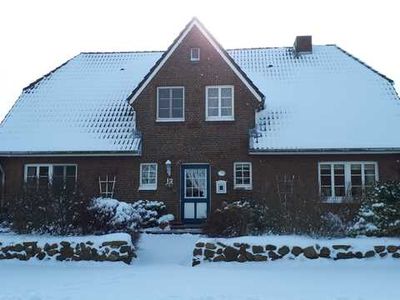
(2, 187)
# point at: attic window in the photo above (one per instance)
(195, 54)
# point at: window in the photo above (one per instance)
(219, 103)
(148, 176)
(58, 176)
(345, 181)
(107, 186)
(242, 175)
(170, 104)
(195, 54)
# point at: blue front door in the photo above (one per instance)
(195, 193)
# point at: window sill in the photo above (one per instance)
(243, 188)
(169, 120)
(147, 188)
(220, 119)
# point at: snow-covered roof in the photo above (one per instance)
(79, 107)
(326, 100)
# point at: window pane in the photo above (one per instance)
(213, 102)
(325, 169)
(177, 93)
(339, 191)
(163, 103)
(226, 112)
(163, 94)
(326, 191)
(71, 171)
(31, 172)
(226, 102)
(58, 171)
(43, 171)
(325, 180)
(163, 113)
(213, 92)
(213, 112)
(226, 92)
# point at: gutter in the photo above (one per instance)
(67, 153)
(325, 151)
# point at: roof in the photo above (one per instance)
(324, 100)
(225, 56)
(79, 107)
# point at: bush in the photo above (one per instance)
(379, 214)
(236, 219)
(47, 211)
(110, 215)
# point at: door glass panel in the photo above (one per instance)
(201, 212)
(195, 183)
(189, 210)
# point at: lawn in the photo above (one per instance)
(163, 271)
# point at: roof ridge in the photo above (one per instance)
(122, 52)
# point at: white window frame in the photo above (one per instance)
(243, 186)
(220, 117)
(347, 179)
(158, 119)
(50, 166)
(192, 56)
(148, 187)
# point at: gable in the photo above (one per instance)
(225, 56)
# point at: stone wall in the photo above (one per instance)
(69, 249)
(216, 251)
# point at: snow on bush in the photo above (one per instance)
(379, 214)
(111, 215)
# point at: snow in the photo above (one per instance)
(163, 271)
(323, 100)
(10, 238)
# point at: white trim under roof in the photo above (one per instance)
(196, 23)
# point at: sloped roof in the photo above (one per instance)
(322, 101)
(79, 107)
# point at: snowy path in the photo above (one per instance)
(163, 272)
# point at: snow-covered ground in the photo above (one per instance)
(163, 271)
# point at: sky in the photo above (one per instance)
(37, 36)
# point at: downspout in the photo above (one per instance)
(2, 186)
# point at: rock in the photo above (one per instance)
(383, 254)
(208, 253)
(259, 257)
(18, 248)
(283, 250)
(391, 248)
(325, 252)
(396, 255)
(358, 255)
(370, 253)
(197, 252)
(89, 243)
(52, 252)
(272, 255)
(379, 249)
(65, 244)
(257, 249)
(48, 247)
(199, 244)
(249, 256)
(67, 251)
(125, 249)
(270, 247)
(219, 251)
(221, 244)
(344, 255)
(114, 256)
(231, 253)
(22, 257)
(219, 258)
(310, 252)
(114, 244)
(317, 246)
(296, 251)
(241, 258)
(195, 262)
(341, 247)
(41, 255)
(211, 246)
(60, 257)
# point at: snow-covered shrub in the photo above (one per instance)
(49, 211)
(110, 215)
(236, 219)
(333, 225)
(150, 212)
(379, 214)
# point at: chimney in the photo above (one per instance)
(303, 44)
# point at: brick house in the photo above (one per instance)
(197, 125)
